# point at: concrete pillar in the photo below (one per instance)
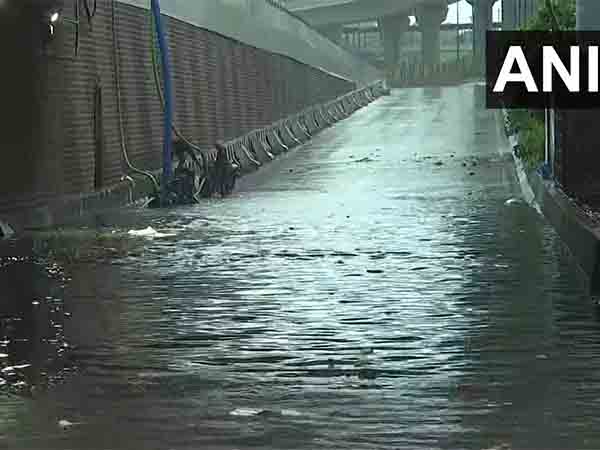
(430, 16)
(482, 22)
(588, 15)
(392, 28)
(509, 14)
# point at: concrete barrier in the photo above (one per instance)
(258, 147)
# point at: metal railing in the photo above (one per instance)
(409, 74)
(258, 147)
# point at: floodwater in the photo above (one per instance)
(371, 290)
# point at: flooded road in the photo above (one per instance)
(371, 290)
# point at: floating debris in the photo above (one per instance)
(65, 424)
(246, 412)
(251, 412)
(513, 201)
(150, 233)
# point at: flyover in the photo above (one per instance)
(323, 13)
(392, 16)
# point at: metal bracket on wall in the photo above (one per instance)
(6, 230)
(56, 17)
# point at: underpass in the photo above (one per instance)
(382, 286)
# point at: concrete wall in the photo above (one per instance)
(264, 25)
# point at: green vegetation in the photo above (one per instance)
(553, 15)
(531, 129)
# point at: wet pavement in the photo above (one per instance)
(371, 290)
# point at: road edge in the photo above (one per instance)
(579, 234)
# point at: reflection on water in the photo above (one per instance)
(32, 341)
(395, 304)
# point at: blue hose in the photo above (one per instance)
(168, 118)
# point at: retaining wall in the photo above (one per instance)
(60, 115)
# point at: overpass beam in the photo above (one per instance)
(392, 28)
(430, 17)
(482, 22)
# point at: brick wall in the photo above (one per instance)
(63, 137)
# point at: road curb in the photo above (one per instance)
(579, 233)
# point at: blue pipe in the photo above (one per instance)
(168, 118)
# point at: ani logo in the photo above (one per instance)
(543, 69)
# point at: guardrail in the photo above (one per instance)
(251, 151)
(409, 74)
